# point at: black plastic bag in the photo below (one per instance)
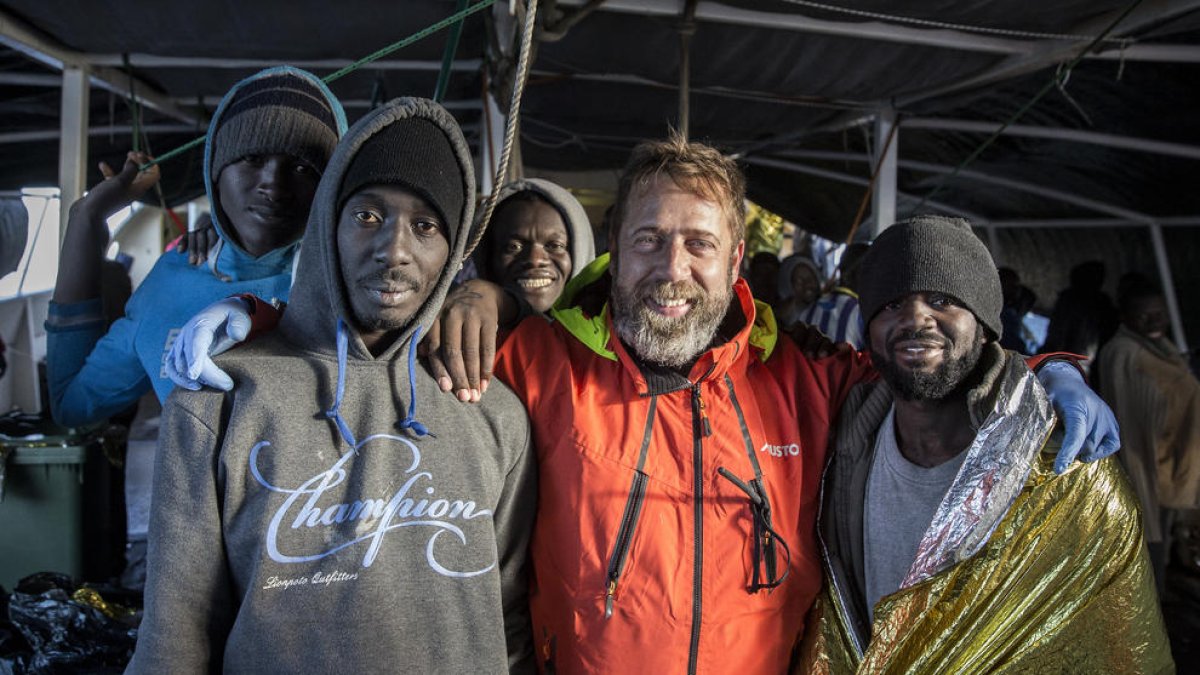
(14, 651)
(67, 636)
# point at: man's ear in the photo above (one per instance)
(735, 263)
(984, 336)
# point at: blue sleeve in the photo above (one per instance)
(92, 375)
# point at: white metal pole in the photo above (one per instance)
(73, 146)
(993, 240)
(494, 122)
(883, 197)
(1168, 286)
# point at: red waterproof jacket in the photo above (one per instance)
(676, 516)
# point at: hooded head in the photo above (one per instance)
(800, 278)
(267, 145)
(387, 231)
(539, 238)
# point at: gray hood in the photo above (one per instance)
(318, 296)
(579, 228)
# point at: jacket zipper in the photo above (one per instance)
(700, 429)
(757, 482)
(629, 518)
(629, 521)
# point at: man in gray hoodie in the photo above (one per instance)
(304, 524)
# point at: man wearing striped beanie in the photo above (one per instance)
(267, 144)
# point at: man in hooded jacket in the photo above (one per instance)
(334, 511)
(267, 144)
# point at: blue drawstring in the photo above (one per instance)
(408, 423)
(334, 412)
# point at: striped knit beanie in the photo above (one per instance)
(280, 113)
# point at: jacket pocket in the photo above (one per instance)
(620, 552)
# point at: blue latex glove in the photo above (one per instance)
(1090, 430)
(216, 329)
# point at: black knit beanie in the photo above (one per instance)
(931, 254)
(278, 114)
(417, 154)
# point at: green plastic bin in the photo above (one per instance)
(54, 516)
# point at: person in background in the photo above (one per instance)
(836, 313)
(1084, 317)
(763, 277)
(950, 544)
(539, 238)
(266, 146)
(1018, 301)
(799, 287)
(1157, 402)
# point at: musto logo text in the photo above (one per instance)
(792, 450)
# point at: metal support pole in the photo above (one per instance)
(883, 197)
(1168, 286)
(494, 121)
(993, 241)
(73, 146)
(687, 28)
(439, 92)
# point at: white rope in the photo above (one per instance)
(927, 23)
(510, 131)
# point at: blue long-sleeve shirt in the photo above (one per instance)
(94, 375)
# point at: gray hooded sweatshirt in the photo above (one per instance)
(305, 523)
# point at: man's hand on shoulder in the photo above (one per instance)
(198, 240)
(1090, 430)
(216, 329)
(461, 344)
(814, 344)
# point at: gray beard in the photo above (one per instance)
(664, 341)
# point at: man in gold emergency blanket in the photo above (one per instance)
(950, 544)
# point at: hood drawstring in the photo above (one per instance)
(410, 420)
(214, 252)
(334, 413)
